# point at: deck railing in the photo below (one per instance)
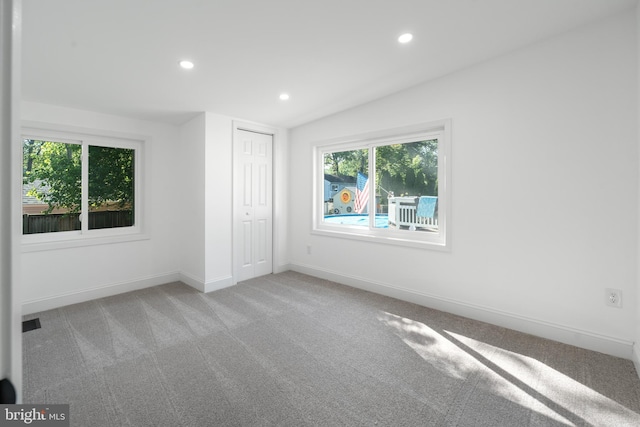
(402, 212)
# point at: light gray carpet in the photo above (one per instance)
(294, 350)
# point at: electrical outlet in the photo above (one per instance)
(613, 297)
(308, 249)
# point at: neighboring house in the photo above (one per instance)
(343, 202)
(339, 194)
(32, 205)
(333, 184)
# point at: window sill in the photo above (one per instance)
(387, 238)
(68, 240)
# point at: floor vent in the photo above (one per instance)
(30, 325)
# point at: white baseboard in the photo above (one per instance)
(57, 301)
(210, 286)
(49, 303)
(194, 282)
(636, 357)
(565, 334)
(282, 268)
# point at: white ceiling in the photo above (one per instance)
(121, 56)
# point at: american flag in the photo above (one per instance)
(362, 193)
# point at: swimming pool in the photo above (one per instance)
(382, 220)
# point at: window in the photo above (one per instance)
(78, 185)
(388, 186)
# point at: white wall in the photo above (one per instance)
(56, 277)
(188, 186)
(219, 204)
(545, 191)
(282, 202)
(190, 175)
(206, 175)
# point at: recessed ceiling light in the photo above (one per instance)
(187, 65)
(284, 96)
(405, 38)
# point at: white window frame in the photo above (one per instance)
(440, 130)
(84, 236)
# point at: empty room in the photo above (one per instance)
(292, 212)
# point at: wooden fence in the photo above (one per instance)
(32, 224)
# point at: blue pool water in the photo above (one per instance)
(382, 220)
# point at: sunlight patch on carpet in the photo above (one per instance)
(548, 386)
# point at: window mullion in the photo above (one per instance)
(372, 189)
(85, 188)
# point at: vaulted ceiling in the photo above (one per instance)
(121, 56)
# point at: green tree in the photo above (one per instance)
(111, 176)
(410, 168)
(54, 169)
(346, 163)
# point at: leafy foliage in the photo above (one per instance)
(409, 169)
(55, 171)
(110, 176)
(347, 163)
